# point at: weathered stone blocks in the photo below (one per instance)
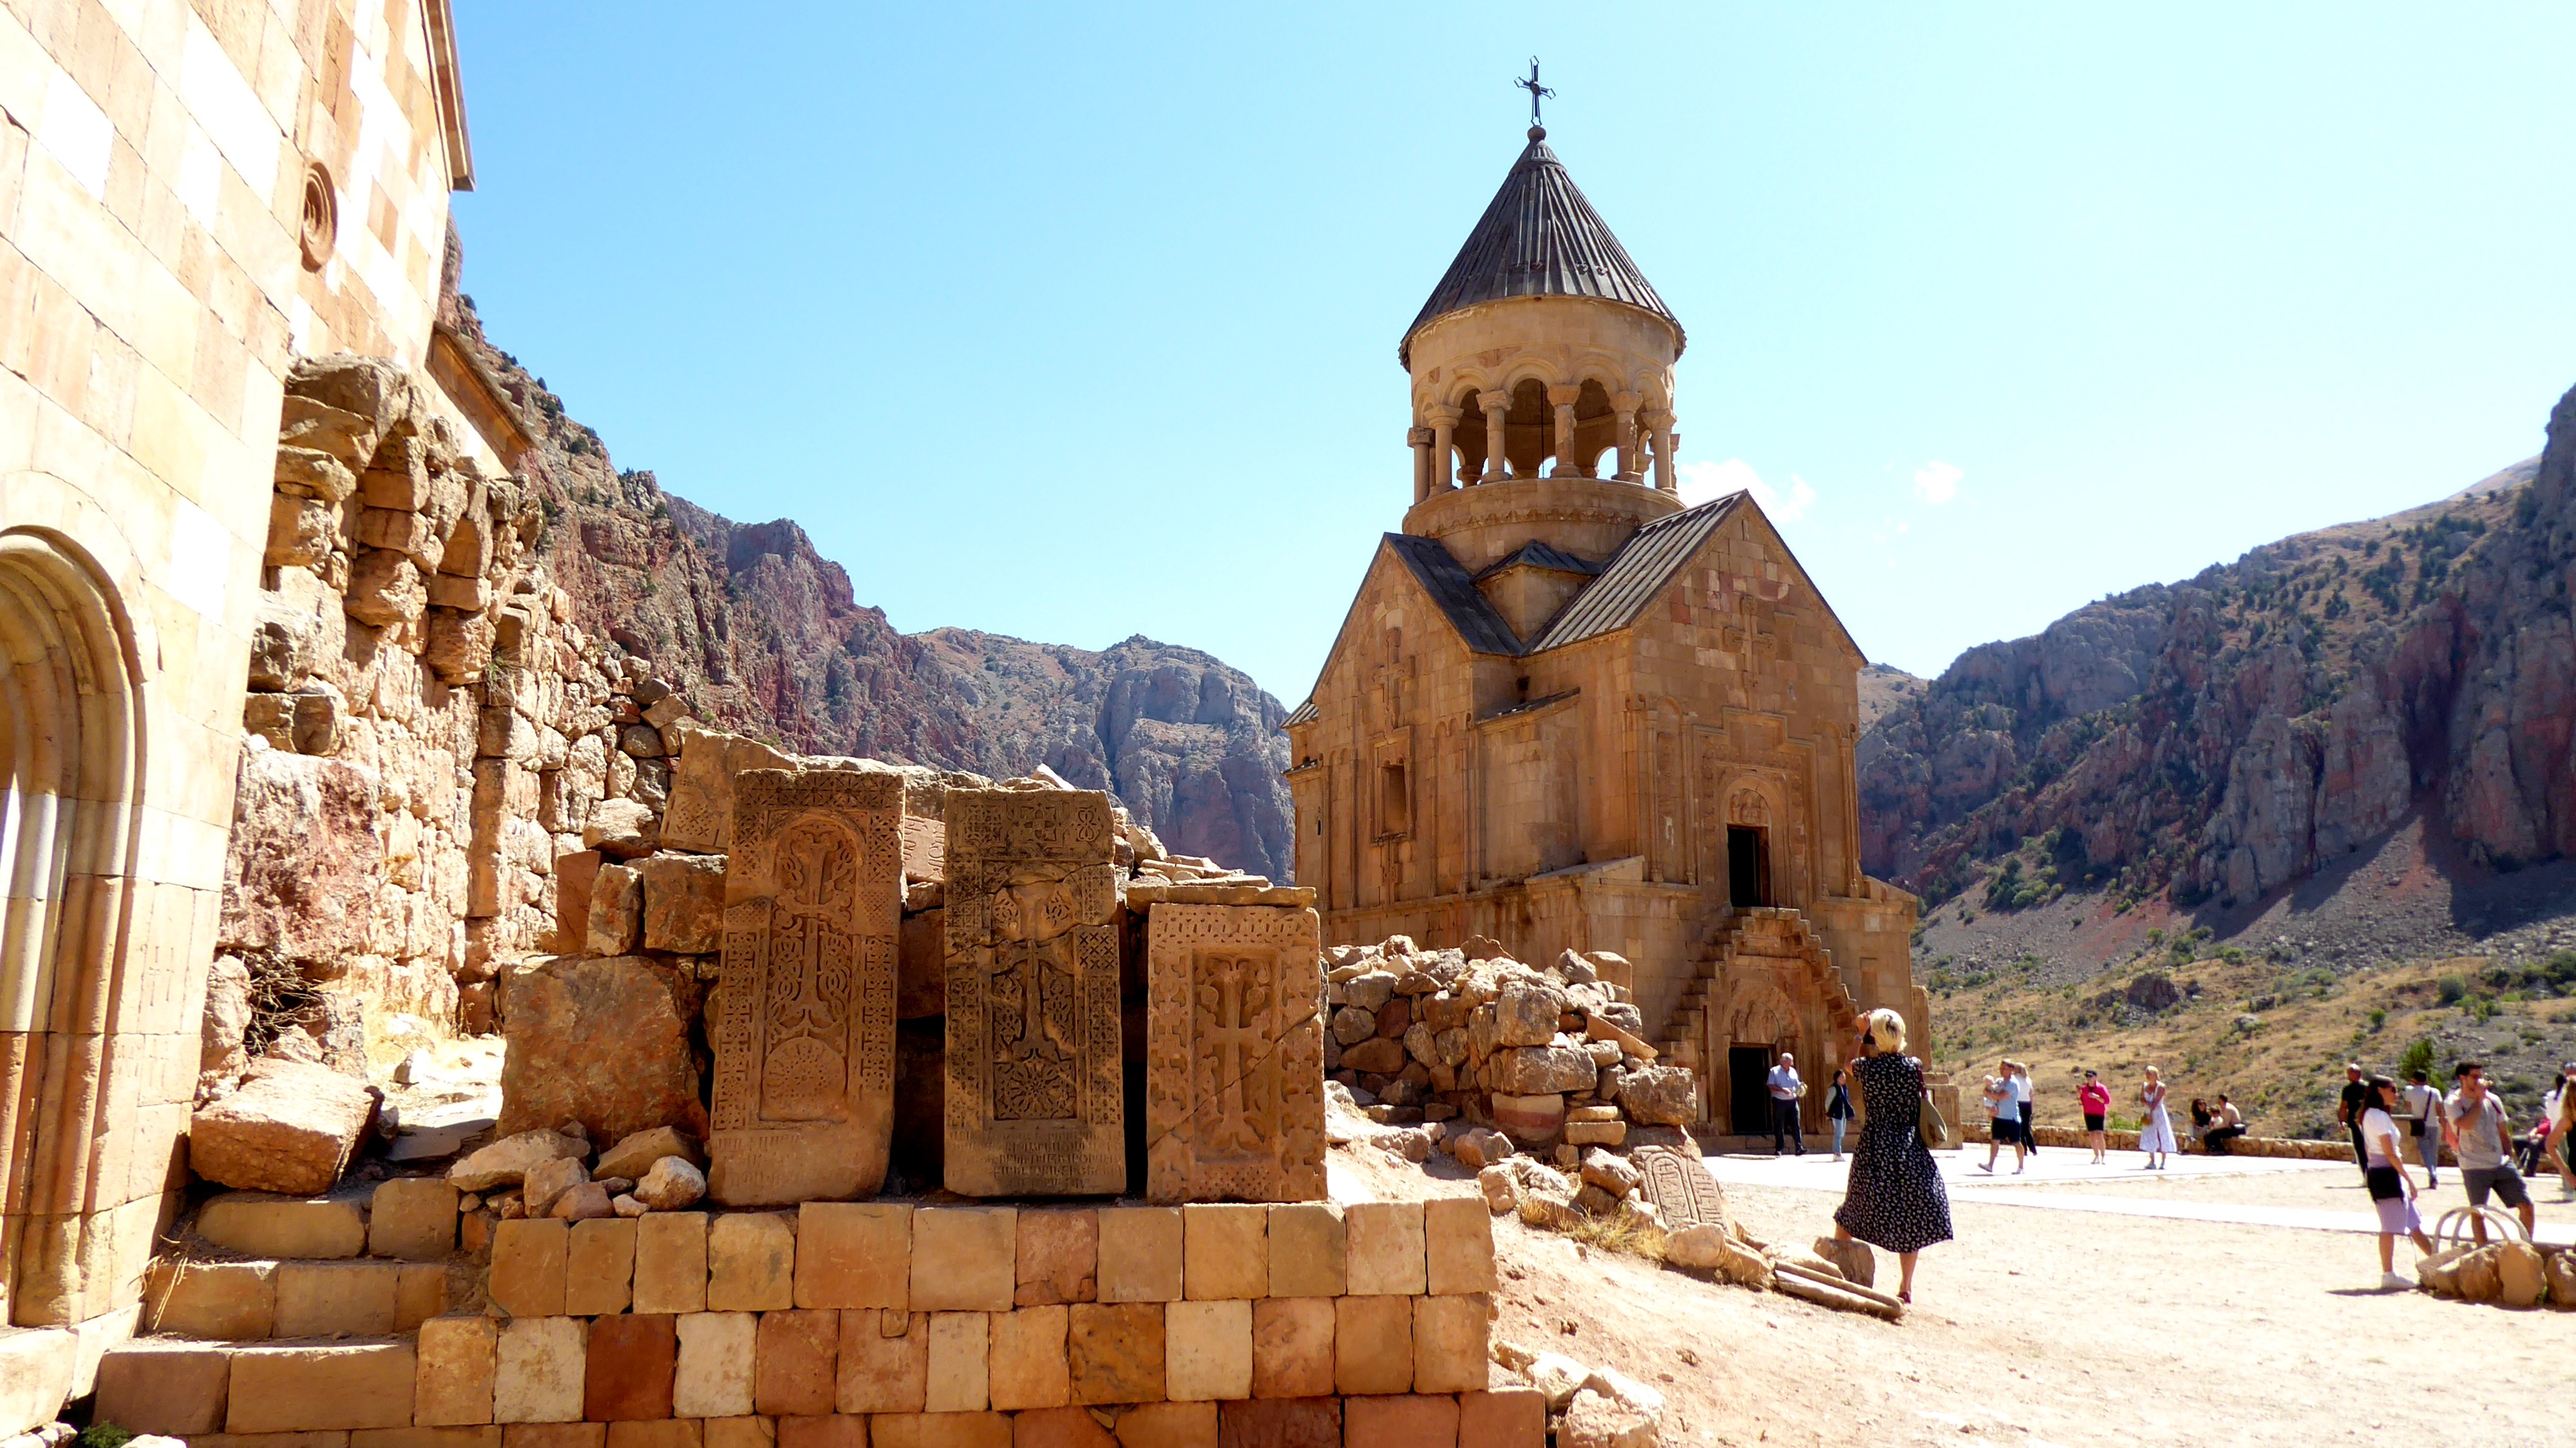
(1142, 1254)
(1458, 1246)
(457, 1362)
(854, 1254)
(176, 1389)
(1386, 1250)
(540, 1369)
(1028, 1367)
(224, 1301)
(712, 1376)
(413, 1218)
(1207, 1352)
(884, 1361)
(796, 1366)
(1035, 1101)
(304, 1388)
(528, 1262)
(1115, 1352)
(1059, 1257)
(1292, 1347)
(599, 1266)
(603, 1041)
(1449, 1343)
(1234, 1085)
(1372, 1345)
(957, 1377)
(963, 1259)
(328, 1299)
(289, 1128)
(629, 1367)
(803, 1020)
(1308, 1250)
(1402, 1421)
(671, 1265)
(751, 1262)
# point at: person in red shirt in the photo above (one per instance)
(2095, 1099)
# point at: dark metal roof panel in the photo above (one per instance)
(1539, 555)
(1539, 237)
(1446, 580)
(1636, 573)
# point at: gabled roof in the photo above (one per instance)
(1305, 713)
(1636, 573)
(1538, 555)
(1538, 238)
(1445, 579)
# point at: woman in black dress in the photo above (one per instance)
(1894, 1199)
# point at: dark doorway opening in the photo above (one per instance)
(1748, 1076)
(1748, 866)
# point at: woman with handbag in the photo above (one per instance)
(1893, 1199)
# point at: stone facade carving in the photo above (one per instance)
(1035, 1102)
(803, 1025)
(1234, 1066)
(1680, 1188)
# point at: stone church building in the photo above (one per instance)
(1567, 711)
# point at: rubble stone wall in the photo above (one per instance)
(426, 731)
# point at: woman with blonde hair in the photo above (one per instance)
(2156, 1138)
(1893, 1198)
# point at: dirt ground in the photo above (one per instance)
(2040, 1327)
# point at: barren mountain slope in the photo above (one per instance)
(2228, 736)
(765, 635)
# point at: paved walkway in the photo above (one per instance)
(1817, 1172)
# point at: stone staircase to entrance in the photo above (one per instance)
(1746, 936)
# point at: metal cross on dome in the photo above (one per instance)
(1536, 90)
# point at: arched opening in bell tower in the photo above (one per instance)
(1466, 443)
(1528, 429)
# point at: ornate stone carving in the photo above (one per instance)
(1036, 1104)
(1680, 1188)
(1234, 1066)
(803, 1021)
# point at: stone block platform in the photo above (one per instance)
(850, 1324)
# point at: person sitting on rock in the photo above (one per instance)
(2225, 1125)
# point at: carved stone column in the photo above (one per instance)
(1567, 466)
(1498, 407)
(1420, 438)
(1625, 404)
(1444, 465)
(1659, 426)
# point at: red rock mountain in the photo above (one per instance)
(765, 636)
(2228, 735)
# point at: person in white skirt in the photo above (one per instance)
(2156, 1138)
(2392, 1186)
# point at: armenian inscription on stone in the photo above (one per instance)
(803, 1021)
(1035, 1100)
(1234, 1074)
(1679, 1187)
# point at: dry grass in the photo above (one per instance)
(1623, 1234)
(2281, 1064)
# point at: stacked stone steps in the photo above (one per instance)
(841, 1324)
(360, 1263)
(1760, 932)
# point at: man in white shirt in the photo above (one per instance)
(2424, 1124)
(1785, 1089)
(2474, 1123)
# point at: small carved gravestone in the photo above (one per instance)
(1036, 1105)
(1680, 1187)
(1234, 1065)
(803, 1021)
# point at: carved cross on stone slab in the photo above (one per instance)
(1680, 1187)
(1234, 1063)
(1036, 1104)
(802, 1023)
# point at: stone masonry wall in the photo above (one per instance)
(426, 731)
(845, 1324)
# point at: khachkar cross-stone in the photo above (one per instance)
(1036, 1103)
(802, 1020)
(1537, 93)
(1234, 1057)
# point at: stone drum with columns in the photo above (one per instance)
(1036, 1104)
(1565, 711)
(803, 1023)
(1234, 1076)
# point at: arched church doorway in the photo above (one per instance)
(1748, 1075)
(70, 766)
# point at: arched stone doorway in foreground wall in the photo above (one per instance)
(1758, 1024)
(70, 777)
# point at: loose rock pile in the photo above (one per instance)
(1587, 1407)
(2509, 1274)
(1524, 1057)
(545, 1173)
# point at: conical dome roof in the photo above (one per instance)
(1538, 238)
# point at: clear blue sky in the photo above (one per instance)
(1073, 325)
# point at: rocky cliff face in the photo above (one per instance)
(2227, 735)
(765, 637)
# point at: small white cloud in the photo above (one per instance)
(1937, 483)
(1704, 482)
